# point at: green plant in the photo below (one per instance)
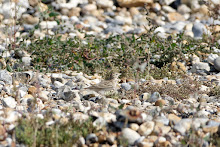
(35, 131)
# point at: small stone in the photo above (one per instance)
(217, 63)
(130, 135)
(81, 141)
(200, 66)
(9, 102)
(32, 90)
(168, 9)
(134, 11)
(126, 86)
(74, 12)
(173, 118)
(43, 95)
(29, 19)
(91, 138)
(175, 16)
(161, 129)
(145, 96)
(33, 3)
(70, 95)
(5, 76)
(154, 97)
(12, 116)
(160, 102)
(198, 29)
(183, 125)
(133, 3)
(183, 9)
(211, 58)
(134, 126)
(111, 138)
(156, 7)
(42, 7)
(89, 8)
(26, 61)
(48, 24)
(146, 128)
(104, 3)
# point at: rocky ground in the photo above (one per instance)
(44, 105)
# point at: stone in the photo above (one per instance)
(161, 129)
(146, 128)
(42, 7)
(43, 95)
(156, 7)
(33, 3)
(114, 30)
(183, 125)
(8, 11)
(167, 2)
(183, 9)
(133, 3)
(91, 138)
(211, 58)
(217, 63)
(134, 11)
(130, 135)
(168, 9)
(29, 19)
(26, 61)
(126, 86)
(48, 24)
(67, 94)
(145, 96)
(200, 66)
(173, 118)
(154, 97)
(104, 3)
(160, 102)
(81, 141)
(87, 9)
(175, 16)
(198, 29)
(203, 9)
(74, 12)
(9, 102)
(125, 20)
(32, 90)
(5, 77)
(12, 116)
(134, 126)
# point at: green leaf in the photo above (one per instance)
(121, 106)
(8, 67)
(53, 14)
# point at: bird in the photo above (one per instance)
(106, 85)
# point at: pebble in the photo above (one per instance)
(217, 63)
(200, 66)
(9, 102)
(198, 29)
(5, 77)
(126, 86)
(130, 135)
(154, 97)
(146, 128)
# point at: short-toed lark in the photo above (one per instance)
(106, 85)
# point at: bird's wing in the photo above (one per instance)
(103, 84)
